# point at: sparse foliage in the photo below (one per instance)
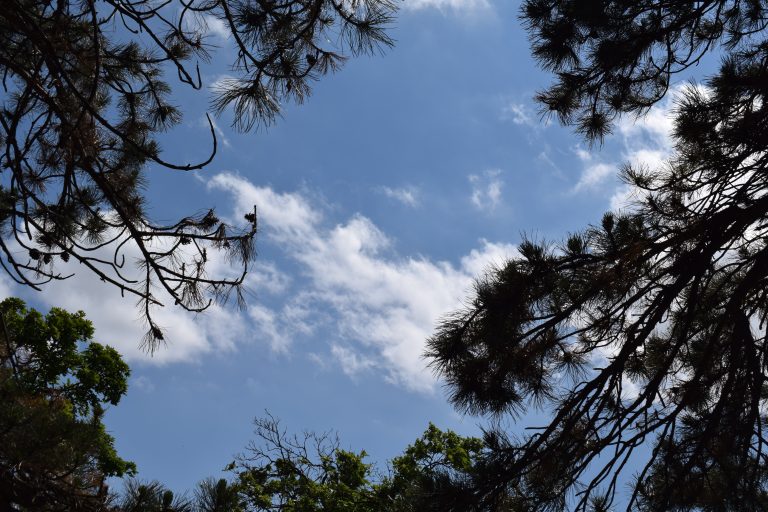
(151, 497)
(84, 100)
(218, 496)
(301, 473)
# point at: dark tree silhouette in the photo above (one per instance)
(84, 99)
(644, 337)
(151, 497)
(612, 57)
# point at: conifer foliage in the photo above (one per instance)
(84, 98)
(644, 337)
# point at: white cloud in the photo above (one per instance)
(593, 175)
(491, 255)
(265, 276)
(269, 327)
(119, 323)
(583, 154)
(645, 142)
(409, 195)
(217, 27)
(449, 5)
(207, 25)
(379, 307)
(519, 114)
(349, 287)
(143, 383)
(221, 82)
(648, 141)
(219, 132)
(350, 361)
(622, 197)
(486, 189)
(653, 130)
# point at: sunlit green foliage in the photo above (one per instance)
(312, 473)
(54, 383)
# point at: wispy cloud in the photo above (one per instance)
(409, 195)
(208, 25)
(486, 189)
(594, 175)
(374, 307)
(351, 362)
(216, 27)
(378, 306)
(449, 5)
(645, 142)
(143, 383)
(217, 129)
(519, 113)
(648, 141)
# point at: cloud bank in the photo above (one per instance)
(339, 293)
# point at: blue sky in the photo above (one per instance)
(399, 180)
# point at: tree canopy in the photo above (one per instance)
(311, 472)
(55, 381)
(613, 57)
(643, 337)
(85, 99)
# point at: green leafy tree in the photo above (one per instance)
(434, 473)
(301, 473)
(84, 100)
(645, 336)
(312, 473)
(55, 452)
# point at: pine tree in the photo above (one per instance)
(644, 337)
(84, 98)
